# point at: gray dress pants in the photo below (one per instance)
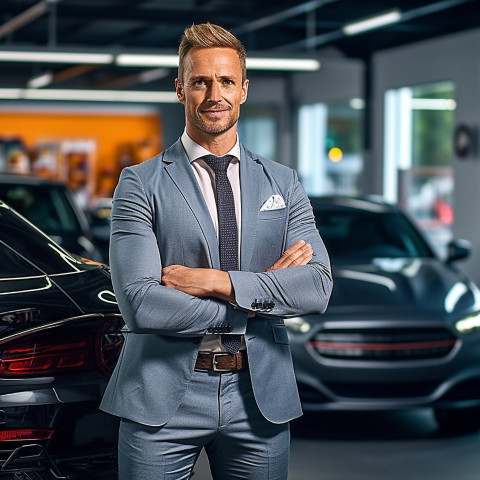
(218, 413)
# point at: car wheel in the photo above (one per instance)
(458, 420)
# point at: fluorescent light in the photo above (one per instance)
(55, 57)
(370, 23)
(290, 64)
(146, 60)
(41, 80)
(10, 93)
(152, 75)
(89, 95)
(433, 104)
(293, 64)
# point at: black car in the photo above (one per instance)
(100, 221)
(53, 208)
(402, 329)
(60, 337)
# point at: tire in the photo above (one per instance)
(458, 420)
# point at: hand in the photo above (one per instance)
(199, 282)
(300, 253)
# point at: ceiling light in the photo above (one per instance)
(133, 96)
(357, 103)
(433, 104)
(152, 75)
(146, 60)
(41, 80)
(289, 64)
(10, 93)
(370, 23)
(55, 57)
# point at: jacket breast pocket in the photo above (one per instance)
(280, 334)
(272, 214)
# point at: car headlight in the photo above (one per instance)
(469, 324)
(297, 325)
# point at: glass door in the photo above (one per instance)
(418, 153)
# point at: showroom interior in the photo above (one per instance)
(377, 98)
(355, 94)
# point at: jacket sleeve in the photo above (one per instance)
(136, 266)
(293, 290)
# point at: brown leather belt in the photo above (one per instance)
(221, 362)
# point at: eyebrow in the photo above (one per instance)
(208, 77)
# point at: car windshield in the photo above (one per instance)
(18, 238)
(45, 206)
(351, 234)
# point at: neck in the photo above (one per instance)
(218, 144)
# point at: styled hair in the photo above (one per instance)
(209, 35)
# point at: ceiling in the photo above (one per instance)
(290, 28)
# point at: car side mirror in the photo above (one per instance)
(458, 249)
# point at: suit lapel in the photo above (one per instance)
(251, 175)
(181, 172)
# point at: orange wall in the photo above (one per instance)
(109, 131)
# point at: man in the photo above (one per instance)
(176, 387)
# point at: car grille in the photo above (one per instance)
(384, 344)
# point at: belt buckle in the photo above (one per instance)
(214, 362)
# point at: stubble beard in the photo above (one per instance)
(215, 128)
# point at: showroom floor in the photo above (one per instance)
(376, 446)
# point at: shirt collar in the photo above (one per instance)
(195, 151)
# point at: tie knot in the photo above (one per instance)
(218, 164)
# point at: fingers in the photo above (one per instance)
(300, 253)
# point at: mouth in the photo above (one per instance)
(215, 112)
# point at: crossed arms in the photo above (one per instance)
(151, 289)
(207, 282)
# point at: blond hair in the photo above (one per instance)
(209, 35)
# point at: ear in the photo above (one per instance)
(179, 90)
(243, 97)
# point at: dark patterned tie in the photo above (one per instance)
(227, 228)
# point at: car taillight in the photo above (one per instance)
(109, 342)
(84, 344)
(24, 434)
(45, 356)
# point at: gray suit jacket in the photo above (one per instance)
(160, 218)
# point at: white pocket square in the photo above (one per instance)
(275, 202)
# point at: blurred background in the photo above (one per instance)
(388, 107)
(374, 98)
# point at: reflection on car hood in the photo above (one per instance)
(387, 284)
(31, 302)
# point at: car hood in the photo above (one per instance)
(30, 302)
(421, 285)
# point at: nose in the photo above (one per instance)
(215, 92)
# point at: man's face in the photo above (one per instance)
(211, 91)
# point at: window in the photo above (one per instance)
(329, 147)
(418, 172)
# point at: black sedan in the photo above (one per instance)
(53, 208)
(60, 337)
(403, 326)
